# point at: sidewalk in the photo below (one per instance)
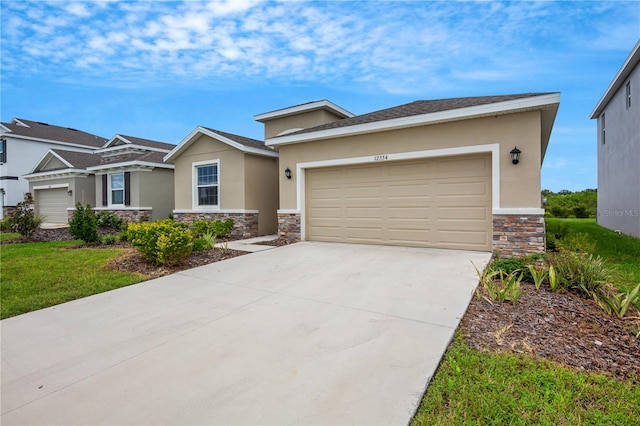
(249, 244)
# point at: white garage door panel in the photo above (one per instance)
(443, 202)
(52, 204)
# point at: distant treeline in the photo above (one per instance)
(565, 203)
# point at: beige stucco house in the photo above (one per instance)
(125, 176)
(426, 174)
(219, 175)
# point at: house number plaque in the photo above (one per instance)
(380, 157)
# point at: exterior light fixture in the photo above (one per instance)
(287, 173)
(70, 192)
(515, 155)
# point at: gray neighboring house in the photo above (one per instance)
(618, 115)
(23, 142)
(126, 176)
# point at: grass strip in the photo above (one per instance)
(473, 387)
(38, 275)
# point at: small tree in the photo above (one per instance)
(24, 220)
(84, 224)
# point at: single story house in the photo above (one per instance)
(220, 175)
(460, 173)
(126, 176)
(618, 116)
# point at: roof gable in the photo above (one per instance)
(306, 107)
(68, 159)
(244, 144)
(119, 140)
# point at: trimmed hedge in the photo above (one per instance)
(162, 242)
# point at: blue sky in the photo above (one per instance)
(158, 69)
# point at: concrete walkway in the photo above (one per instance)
(311, 333)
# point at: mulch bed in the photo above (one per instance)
(561, 327)
(278, 242)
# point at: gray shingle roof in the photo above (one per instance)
(79, 160)
(39, 130)
(148, 142)
(253, 143)
(147, 157)
(416, 108)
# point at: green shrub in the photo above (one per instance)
(162, 242)
(84, 224)
(109, 239)
(5, 224)
(24, 221)
(612, 302)
(581, 273)
(217, 228)
(107, 219)
(559, 211)
(580, 212)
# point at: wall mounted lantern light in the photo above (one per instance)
(70, 192)
(287, 173)
(515, 155)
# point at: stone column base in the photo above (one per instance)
(518, 235)
(245, 225)
(130, 215)
(289, 226)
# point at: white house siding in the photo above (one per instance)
(618, 161)
(22, 156)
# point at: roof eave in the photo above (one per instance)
(625, 70)
(505, 107)
(311, 106)
(195, 133)
(130, 164)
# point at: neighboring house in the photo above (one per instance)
(220, 175)
(618, 115)
(427, 174)
(126, 176)
(22, 143)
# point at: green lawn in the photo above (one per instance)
(473, 387)
(4, 236)
(621, 251)
(476, 388)
(38, 275)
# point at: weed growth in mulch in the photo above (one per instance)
(561, 327)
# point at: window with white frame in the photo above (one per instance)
(206, 184)
(628, 98)
(604, 129)
(117, 188)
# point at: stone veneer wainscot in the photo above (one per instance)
(518, 235)
(245, 225)
(130, 215)
(289, 226)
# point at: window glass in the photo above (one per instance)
(207, 185)
(117, 188)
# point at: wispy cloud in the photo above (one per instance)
(411, 47)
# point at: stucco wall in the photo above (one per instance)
(231, 173)
(303, 120)
(519, 184)
(261, 191)
(618, 160)
(84, 191)
(156, 190)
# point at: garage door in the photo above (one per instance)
(52, 204)
(442, 203)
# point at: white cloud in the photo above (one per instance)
(402, 47)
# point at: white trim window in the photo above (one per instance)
(206, 184)
(628, 97)
(116, 189)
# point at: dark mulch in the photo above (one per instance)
(561, 327)
(278, 242)
(132, 261)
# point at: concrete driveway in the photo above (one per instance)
(311, 333)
